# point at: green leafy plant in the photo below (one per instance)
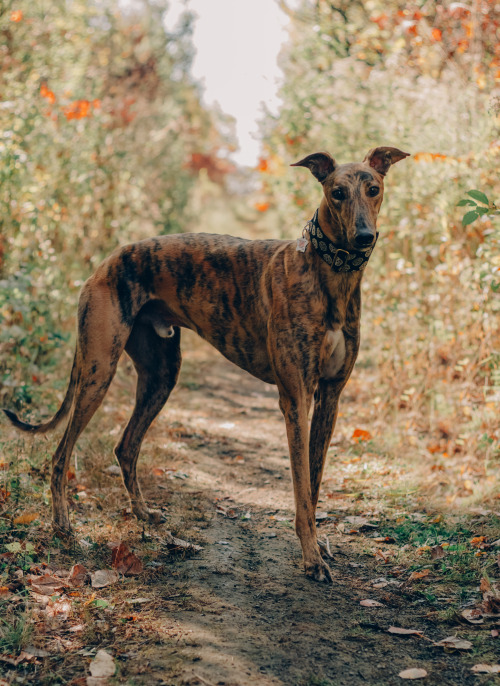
(480, 204)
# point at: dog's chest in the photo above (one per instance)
(333, 354)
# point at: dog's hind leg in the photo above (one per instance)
(94, 378)
(157, 360)
(102, 335)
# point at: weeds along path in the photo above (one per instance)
(240, 611)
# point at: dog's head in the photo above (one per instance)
(353, 192)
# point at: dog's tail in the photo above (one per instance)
(59, 415)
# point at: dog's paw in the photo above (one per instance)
(318, 570)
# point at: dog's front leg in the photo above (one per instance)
(295, 410)
(326, 403)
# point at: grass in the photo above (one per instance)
(15, 632)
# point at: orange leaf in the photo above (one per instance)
(477, 541)
(437, 35)
(414, 576)
(361, 435)
(26, 518)
(262, 206)
(16, 16)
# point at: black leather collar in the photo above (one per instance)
(340, 260)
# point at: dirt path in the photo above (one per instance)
(241, 611)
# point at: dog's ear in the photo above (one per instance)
(382, 158)
(321, 164)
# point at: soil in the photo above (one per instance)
(240, 611)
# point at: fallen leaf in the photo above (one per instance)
(102, 665)
(454, 643)
(371, 603)
(437, 552)
(413, 673)
(361, 523)
(114, 470)
(60, 608)
(478, 541)
(486, 669)
(484, 585)
(473, 616)
(103, 577)
(361, 435)
(26, 518)
(414, 576)
(46, 584)
(77, 576)
(174, 543)
(124, 561)
(403, 632)
(495, 633)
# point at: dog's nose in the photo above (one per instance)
(364, 238)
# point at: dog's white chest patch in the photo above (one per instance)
(335, 342)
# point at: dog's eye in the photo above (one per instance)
(373, 191)
(338, 194)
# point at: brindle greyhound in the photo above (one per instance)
(286, 311)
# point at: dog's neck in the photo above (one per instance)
(339, 285)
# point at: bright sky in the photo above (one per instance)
(237, 44)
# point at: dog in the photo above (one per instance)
(287, 311)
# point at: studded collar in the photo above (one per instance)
(340, 260)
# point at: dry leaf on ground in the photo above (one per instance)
(454, 643)
(77, 575)
(437, 552)
(371, 603)
(413, 673)
(46, 584)
(59, 608)
(174, 543)
(124, 561)
(102, 666)
(103, 577)
(486, 669)
(473, 616)
(403, 632)
(414, 576)
(485, 585)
